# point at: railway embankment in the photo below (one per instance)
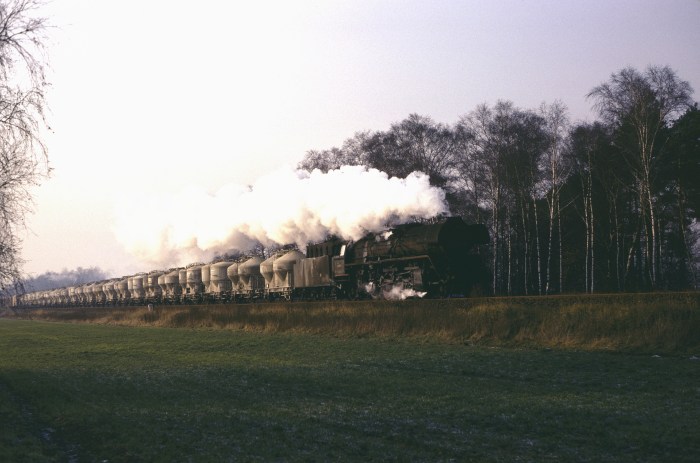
(640, 322)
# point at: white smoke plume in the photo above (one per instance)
(286, 206)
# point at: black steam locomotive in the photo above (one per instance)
(436, 259)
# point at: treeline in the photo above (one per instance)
(610, 205)
(52, 280)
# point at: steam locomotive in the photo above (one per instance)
(436, 259)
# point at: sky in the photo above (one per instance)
(152, 98)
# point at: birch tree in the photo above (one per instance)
(505, 147)
(586, 142)
(639, 105)
(555, 171)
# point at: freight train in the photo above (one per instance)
(438, 259)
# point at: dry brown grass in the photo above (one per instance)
(660, 322)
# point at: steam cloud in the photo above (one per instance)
(287, 206)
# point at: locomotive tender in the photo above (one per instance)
(412, 260)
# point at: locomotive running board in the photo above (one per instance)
(391, 260)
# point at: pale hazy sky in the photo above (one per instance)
(151, 97)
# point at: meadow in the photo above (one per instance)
(641, 323)
(98, 392)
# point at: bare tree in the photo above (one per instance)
(323, 160)
(23, 156)
(415, 144)
(585, 155)
(352, 153)
(470, 171)
(500, 150)
(640, 105)
(556, 171)
(485, 156)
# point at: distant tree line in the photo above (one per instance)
(610, 205)
(64, 278)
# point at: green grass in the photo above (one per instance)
(87, 392)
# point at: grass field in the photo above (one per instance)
(641, 323)
(94, 392)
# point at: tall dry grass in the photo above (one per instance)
(659, 322)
